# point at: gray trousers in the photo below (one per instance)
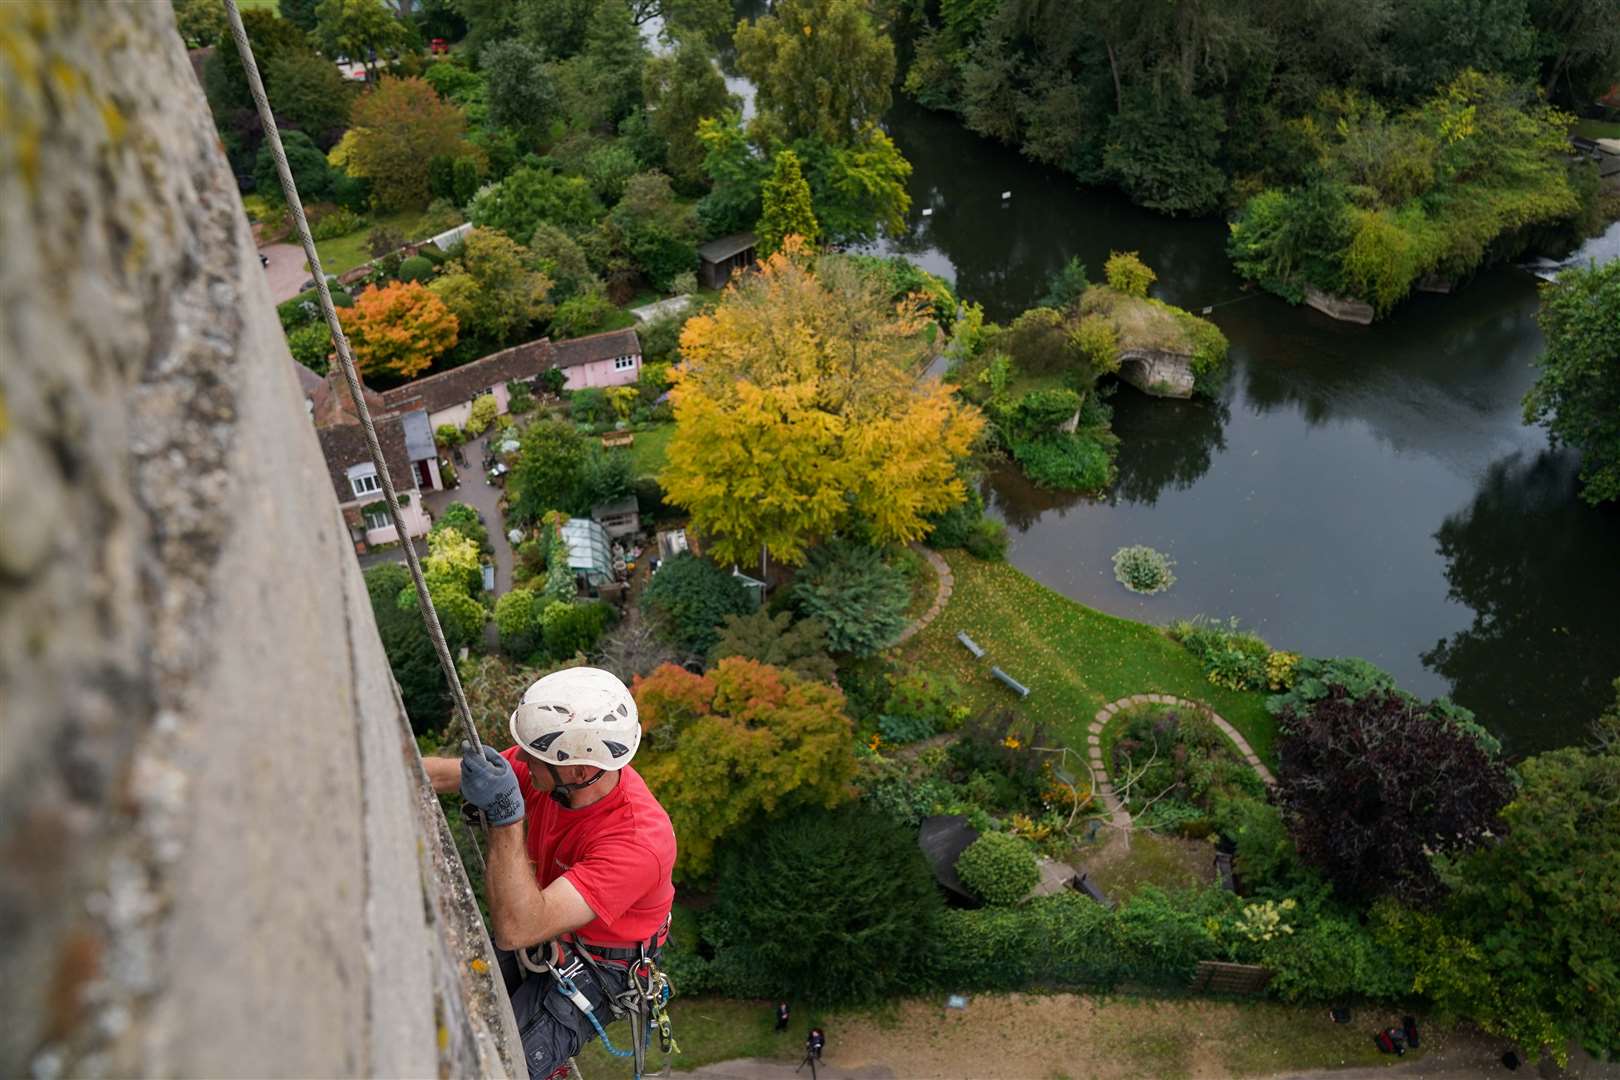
(552, 1027)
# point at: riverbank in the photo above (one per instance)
(1073, 659)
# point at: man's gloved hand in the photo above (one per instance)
(489, 783)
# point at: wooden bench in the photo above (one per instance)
(619, 438)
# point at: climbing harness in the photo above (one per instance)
(644, 1000)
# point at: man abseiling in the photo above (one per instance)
(580, 853)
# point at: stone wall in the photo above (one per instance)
(220, 854)
(1156, 372)
(1343, 308)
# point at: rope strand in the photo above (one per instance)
(346, 361)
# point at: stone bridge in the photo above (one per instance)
(1157, 372)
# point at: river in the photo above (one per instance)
(1358, 491)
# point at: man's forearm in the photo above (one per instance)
(517, 907)
(444, 773)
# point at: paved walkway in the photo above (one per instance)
(1118, 816)
(946, 583)
(673, 306)
(286, 271)
(481, 495)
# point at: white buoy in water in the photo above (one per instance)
(928, 211)
(1005, 195)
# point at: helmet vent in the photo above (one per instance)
(543, 743)
(562, 755)
(618, 750)
(622, 710)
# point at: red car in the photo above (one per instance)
(439, 47)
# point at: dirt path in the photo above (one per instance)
(1044, 1037)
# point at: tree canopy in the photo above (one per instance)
(801, 406)
(492, 287)
(1577, 393)
(400, 125)
(398, 329)
(787, 211)
(738, 742)
(822, 67)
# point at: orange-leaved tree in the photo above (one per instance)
(802, 404)
(399, 329)
(742, 740)
(399, 126)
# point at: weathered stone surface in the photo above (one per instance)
(1157, 372)
(221, 855)
(1342, 308)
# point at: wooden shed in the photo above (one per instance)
(723, 257)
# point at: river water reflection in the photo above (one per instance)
(1365, 491)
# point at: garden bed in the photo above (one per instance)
(1073, 659)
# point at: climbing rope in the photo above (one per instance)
(289, 190)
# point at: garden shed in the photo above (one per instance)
(620, 518)
(723, 257)
(590, 552)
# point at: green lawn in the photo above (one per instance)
(649, 451)
(1597, 129)
(349, 250)
(1073, 659)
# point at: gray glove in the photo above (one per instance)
(490, 784)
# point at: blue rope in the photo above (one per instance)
(565, 987)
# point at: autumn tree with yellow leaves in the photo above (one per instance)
(802, 406)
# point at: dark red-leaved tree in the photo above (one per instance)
(1371, 787)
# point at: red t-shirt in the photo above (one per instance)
(618, 852)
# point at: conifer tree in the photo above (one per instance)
(787, 207)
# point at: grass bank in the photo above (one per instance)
(650, 450)
(1026, 1035)
(349, 250)
(1073, 659)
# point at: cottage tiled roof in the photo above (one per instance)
(344, 446)
(605, 346)
(451, 388)
(308, 381)
(331, 403)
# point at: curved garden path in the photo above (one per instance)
(1118, 816)
(942, 572)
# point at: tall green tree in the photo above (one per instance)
(493, 287)
(786, 205)
(410, 651)
(365, 31)
(1577, 393)
(680, 90)
(310, 95)
(400, 126)
(557, 27)
(530, 197)
(301, 13)
(823, 69)
(854, 887)
(201, 22)
(601, 85)
(521, 92)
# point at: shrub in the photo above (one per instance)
(1374, 788)
(484, 411)
(517, 616)
(998, 868)
(905, 729)
(449, 436)
(411, 655)
(1128, 274)
(311, 345)
(1067, 461)
(1143, 570)
(1314, 679)
(834, 907)
(1065, 285)
(858, 597)
(695, 596)
(987, 540)
(951, 528)
(519, 398)
(590, 406)
(1232, 658)
(415, 268)
(1096, 339)
(775, 639)
(335, 223)
(1280, 669)
(464, 520)
(570, 629)
(684, 283)
(936, 698)
(581, 314)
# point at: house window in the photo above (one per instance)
(379, 519)
(624, 363)
(363, 479)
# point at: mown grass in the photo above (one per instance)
(349, 250)
(1073, 659)
(1597, 129)
(650, 450)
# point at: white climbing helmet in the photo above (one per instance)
(578, 716)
